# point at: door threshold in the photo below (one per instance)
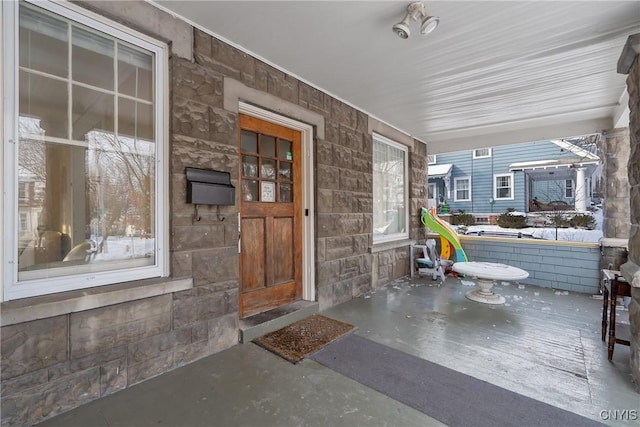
(262, 323)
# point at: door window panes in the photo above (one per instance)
(284, 149)
(250, 166)
(249, 141)
(272, 166)
(267, 145)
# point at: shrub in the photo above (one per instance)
(508, 220)
(559, 220)
(583, 221)
(462, 218)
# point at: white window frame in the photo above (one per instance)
(402, 235)
(455, 188)
(511, 187)
(14, 289)
(569, 189)
(432, 159)
(481, 156)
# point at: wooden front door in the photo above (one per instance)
(270, 216)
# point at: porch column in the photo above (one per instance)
(629, 63)
(613, 149)
(581, 193)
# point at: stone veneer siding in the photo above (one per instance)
(629, 63)
(614, 151)
(53, 364)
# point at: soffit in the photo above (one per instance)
(492, 73)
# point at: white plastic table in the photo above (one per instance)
(487, 273)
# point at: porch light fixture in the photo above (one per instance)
(415, 11)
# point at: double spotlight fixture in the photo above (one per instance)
(416, 11)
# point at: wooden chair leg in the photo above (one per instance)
(612, 319)
(605, 306)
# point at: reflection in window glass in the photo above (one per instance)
(249, 141)
(134, 73)
(45, 99)
(267, 145)
(286, 193)
(389, 190)
(92, 109)
(87, 194)
(43, 43)
(284, 149)
(93, 204)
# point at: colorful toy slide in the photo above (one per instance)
(449, 240)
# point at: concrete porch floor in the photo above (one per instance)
(541, 343)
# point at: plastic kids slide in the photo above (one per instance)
(449, 240)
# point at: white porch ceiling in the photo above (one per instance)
(492, 73)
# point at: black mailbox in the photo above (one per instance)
(209, 187)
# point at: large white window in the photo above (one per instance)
(503, 186)
(390, 190)
(84, 172)
(462, 189)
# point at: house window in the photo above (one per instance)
(482, 153)
(462, 189)
(390, 190)
(503, 186)
(89, 126)
(431, 159)
(24, 222)
(568, 188)
(481, 220)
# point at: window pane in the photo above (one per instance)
(285, 171)
(268, 169)
(249, 141)
(249, 190)
(92, 110)
(389, 189)
(135, 119)
(92, 59)
(45, 100)
(267, 145)
(43, 43)
(286, 193)
(89, 207)
(134, 73)
(284, 149)
(503, 187)
(126, 117)
(249, 166)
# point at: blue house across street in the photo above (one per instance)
(540, 176)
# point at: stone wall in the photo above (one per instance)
(613, 253)
(614, 151)
(629, 63)
(55, 363)
(344, 210)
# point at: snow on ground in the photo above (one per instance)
(548, 233)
